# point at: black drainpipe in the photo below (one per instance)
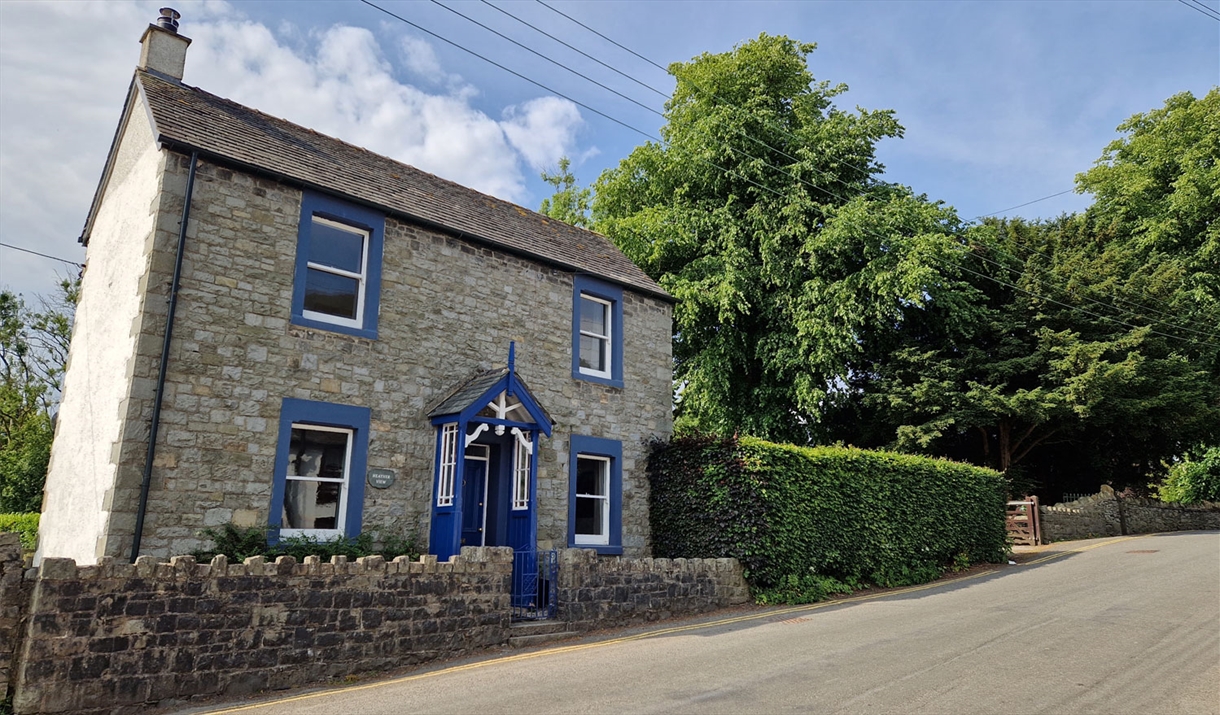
(169, 331)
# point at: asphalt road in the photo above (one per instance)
(1110, 626)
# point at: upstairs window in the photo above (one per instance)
(337, 282)
(335, 273)
(597, 332)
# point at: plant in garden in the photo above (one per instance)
(1194, 479)
(239, 543)
(26, 525)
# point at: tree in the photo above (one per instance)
(761, 212)
(569, 203)
(1100, 359)
(33, 353)
(1044, 367)
(1157, 204)
(1194, 479)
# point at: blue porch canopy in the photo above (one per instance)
(496, 401)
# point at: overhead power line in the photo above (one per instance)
(557, 93)
(579, 51)
(1099, 316)
(1044, 282)
(1201, 8)
(1027, 203)
(704, 161)
(43, 255)
(555, 62)
(718, 99)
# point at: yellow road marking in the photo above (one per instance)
(1057, 554)
(651, 634)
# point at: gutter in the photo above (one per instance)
(159, 397)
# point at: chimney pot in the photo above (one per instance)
(169, 19)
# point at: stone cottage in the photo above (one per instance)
(321, 340)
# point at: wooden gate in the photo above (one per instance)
(1022, 522)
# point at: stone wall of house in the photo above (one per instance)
(1107, 514)
(448, 309)
(119, 637)
(598, 592)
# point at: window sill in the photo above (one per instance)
(601, 550)
(304, 322)
(607, 381)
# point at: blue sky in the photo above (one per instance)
(1003, 102)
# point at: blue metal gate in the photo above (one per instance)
(535, 584)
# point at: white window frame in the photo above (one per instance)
(523, 455)
(344, 489)
(361, 277)
(594, 539)
(607, 339)
(448, 465)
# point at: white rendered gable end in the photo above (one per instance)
(82, 503)
(136, 101)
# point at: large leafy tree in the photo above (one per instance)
(33, 354)
(1096, 355)
(762, 213)
(819, 302)
(1046, 372)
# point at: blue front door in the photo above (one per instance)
(474, 498)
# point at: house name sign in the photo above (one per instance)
(381, 478)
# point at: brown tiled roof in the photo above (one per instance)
(189, 118)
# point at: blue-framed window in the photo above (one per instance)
(337, 280)
(320, 462)
(595, 494)
(597, 331)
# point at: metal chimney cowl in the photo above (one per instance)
(162, 49)
(169, 19)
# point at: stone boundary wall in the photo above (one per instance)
(599, 592)
(120, 638)
(1107, 514)
(14, 602)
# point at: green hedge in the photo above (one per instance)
(24, 524)
(816, 518)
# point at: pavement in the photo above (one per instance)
(1119, 625)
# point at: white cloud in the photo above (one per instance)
(420, 59)
(542, 129)
(64, 70)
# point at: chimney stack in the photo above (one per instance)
(163, 50)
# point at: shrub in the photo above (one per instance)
(1193, 480)
(239, 543)
(802, 519)
(24, 524)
